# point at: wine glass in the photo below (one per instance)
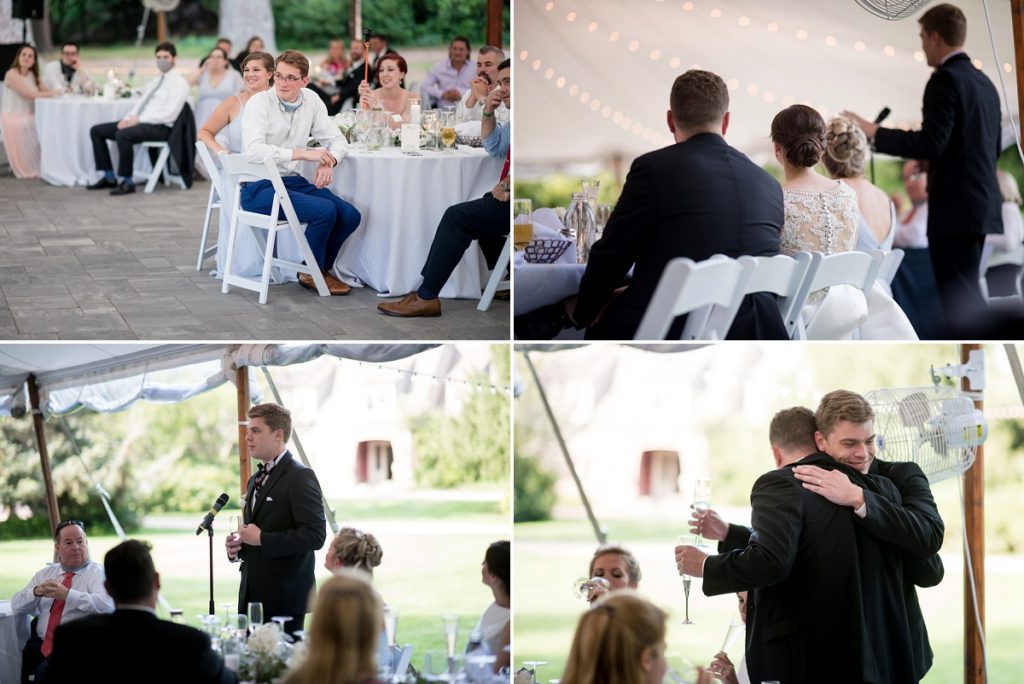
(534, 665)
(736, 627)
(240, 624)
(585, 587)
(177, 616)
(447, 130)
(229, 610)
(281, 621)
(522, 210)
(685, 539)
(390, 624)
(701, 502)
(255, 615)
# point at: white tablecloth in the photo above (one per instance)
(14, 633)
(65, 149)
(401, 199)
(538, 285)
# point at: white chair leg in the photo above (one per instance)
(497, 275)
(158, 168)
(232, 231)
(307, 256)
(206, 230)
(268, 258)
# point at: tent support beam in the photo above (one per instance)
(44, 453)
(244, 401)
(1017, 12)
(598, 532)
(974, 511)
(494, 10)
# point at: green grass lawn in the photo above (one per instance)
(549, 556)
(431, 565)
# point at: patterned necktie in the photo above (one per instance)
(262, 473)
(149, 96)
(56, 610)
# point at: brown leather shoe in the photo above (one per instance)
(411, 306)
(335, 286)
(503, 295)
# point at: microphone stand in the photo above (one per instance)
(209, 530)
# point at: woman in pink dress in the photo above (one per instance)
(17, 113)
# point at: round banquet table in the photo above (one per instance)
(14, 633)
(65, 149)
(401, 199)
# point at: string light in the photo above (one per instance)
(830, 41)
(437, 379)
(1007, 67)
(889, 50)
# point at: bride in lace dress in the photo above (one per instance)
(820, 216)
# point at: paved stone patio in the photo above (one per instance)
(84, 265)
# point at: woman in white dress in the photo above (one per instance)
(1007, 247)
(17, 112)
(217, 82)
(391, 96)
(845, 152)
(495, 627)
(820, 216)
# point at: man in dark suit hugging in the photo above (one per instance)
(132, 644)
(284, 522)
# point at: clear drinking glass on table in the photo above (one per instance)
(255, 615)
(448, 130)
(522, 210)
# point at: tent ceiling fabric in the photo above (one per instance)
(631, 76)
(111, 377)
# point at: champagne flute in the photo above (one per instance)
(390, 624)
(522, 210)
(685, 539)
(451, 632)
(701, 503)
(255, 615)
(585, 587)
(736, 626)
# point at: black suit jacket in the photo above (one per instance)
(815, 576)
(919, 534)
(290, 515)
(693, 199)
(131, 646)
(960, 137)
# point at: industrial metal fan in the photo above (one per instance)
(937, 428)
(892, 9)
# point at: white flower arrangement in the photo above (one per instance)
(264, 640)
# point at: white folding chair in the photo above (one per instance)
(789, 278)
(213, 202)
(1016, 259)
(402, 666)
(710, 292)
(891, 264)
(160, 165)
(497, 280)
(857, 269)
(241, 171)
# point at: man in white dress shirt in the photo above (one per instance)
(150, 119)
(486, 76)
(276, 125)
(61, 592)
(68, 73)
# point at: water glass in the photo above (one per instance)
(255, 615)
(522, 210)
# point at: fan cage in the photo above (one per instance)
(892, 9)
(937, 428)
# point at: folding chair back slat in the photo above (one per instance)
(213, 201)
(789, 278)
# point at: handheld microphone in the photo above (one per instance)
(208, 520)
(882, 115)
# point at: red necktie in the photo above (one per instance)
(56, 610)
(504, 169)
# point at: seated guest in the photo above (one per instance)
(255, 44)
(150, 119)
(617, 565)
(721, 667)
(390, 96)
(67, 590)
(378, 48)
(67, 75)
(224, 45)
(914, 287)
(257, 76)
(217, 82)
(485, 219)
(486, 76)
(694, 199)
(1007, 248)
(334, 64)
(621, 640)
(353, 549)
(345, 83)
(276, 125)
(494, 627)
(449, 79)
(17, 112)
(347, 617)
(128, 644)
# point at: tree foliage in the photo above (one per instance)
(472, 446)
(534, 490)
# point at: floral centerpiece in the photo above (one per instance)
(267, 656)
(346, 123)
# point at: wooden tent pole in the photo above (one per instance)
(494, 12)
(244, 464)
(44, 453)
(974, 507)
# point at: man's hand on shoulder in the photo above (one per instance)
(831, 484)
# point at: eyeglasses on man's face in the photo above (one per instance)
(278, 76)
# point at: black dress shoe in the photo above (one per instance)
(101, 184)
(125, 188)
